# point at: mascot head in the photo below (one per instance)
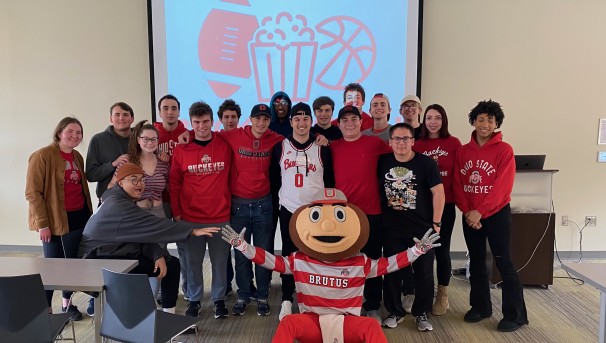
(329, 229)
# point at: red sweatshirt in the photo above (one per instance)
(483, 176)
(252, 156)
(355, 167)
(168, 140)
(199, 181)
(442, 150)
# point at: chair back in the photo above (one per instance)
(130, 310)
(24, 313)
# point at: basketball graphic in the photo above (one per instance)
(352, 47)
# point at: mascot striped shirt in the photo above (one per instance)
(328, 287)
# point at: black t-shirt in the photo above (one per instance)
(332, 133)
(406, 198)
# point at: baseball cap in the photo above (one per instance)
(300, 108)
(259, 110)
(128, 169)
(410, 98)
(347, 110)
(329, 196)
(381, 95)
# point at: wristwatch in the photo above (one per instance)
(438, 224)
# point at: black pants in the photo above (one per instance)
(169, 283)
(373, 287)
(422, 278)
(66, 246)
(444, 266)
(497, 229)
(288, 247)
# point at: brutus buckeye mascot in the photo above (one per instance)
(329, 270)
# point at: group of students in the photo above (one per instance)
(161, 183)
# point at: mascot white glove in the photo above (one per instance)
(423, 245)
(233, 238)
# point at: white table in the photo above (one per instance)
(69, 275)
(593, 274)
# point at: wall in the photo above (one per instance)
(542, 59)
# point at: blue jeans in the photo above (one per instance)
(256, 216)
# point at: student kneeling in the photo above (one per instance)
(122, 230)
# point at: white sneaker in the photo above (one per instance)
(407, 302)
(374, 314)
(423, 324)
(285, 310)
(392, 321)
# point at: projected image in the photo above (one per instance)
(249, 50)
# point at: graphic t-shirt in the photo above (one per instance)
(72, 184)
(406, 198)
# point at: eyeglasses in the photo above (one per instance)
(135, 181)
(147, 139)
(281, 102)
(405, 139)
(408, 107)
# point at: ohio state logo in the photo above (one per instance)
(345, 272)
(475, 177)
(206, 158)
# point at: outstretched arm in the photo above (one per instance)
(259, 256)
(385, 265)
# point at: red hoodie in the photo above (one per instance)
(199, 181)
(483, 176)
(252, 156)
(441, 150)
(168, 140)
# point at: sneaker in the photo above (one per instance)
(263, 307)
(193, 309)
(90, 310)
(220, 309)
(423, 324)
(73, 312)
(374, 314)
(392, 321)
(285, 310)
(239, 308)
(407, 302)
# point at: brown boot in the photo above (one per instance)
(441, 304)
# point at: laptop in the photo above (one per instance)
(529, 162)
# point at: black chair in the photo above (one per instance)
(130, 313)
(24, 313)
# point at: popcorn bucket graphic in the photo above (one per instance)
(283, 56)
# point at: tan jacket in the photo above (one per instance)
(44, 189)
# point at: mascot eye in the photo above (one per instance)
(315, 214)
(340, 213)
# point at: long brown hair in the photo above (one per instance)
(134, 149)
(443, 133)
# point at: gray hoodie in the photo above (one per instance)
(103, 149)
(121, 229)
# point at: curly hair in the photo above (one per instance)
(491, 108)
(229, 105)
(354, 87)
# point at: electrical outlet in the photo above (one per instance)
(591, 221)
(564, 220)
